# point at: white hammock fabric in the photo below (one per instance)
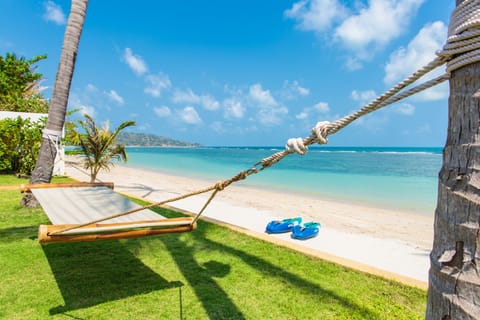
(79, 205)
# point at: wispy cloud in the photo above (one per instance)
(363, 97)
(157, 83)
(313, 111)
(316, 15)
(270, 112)
(206, 101)
(292, 90)
(54, 13)
(189, 115)
(77, 102)
(260, 96)
(135, 62)
(271, 116)
(405, 109)
(162, 111)
(233, 108)
(114, 96)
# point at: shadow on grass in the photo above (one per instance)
(8, 235)
(215, 300)
(201, 278)
(89, 274)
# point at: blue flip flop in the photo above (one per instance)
(306, 231)
(281, 226)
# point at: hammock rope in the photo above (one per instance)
(462, 48)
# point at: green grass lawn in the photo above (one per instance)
(211, 273)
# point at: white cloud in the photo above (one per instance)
(156, 84)
(75, 102)
(376, 25)
(263, 97)
(315, 15)
(234, 108)
(113, 95)
(419, 52)
(269, 112)
(54, 13)
(302, 115)
(321, 107)
(162, 111)
(206, 101)
(209, 102)
(405, 109)
(363, 97)
(318, 108)
(84, 109)
(293, 89)
(91, 88)
(83, 101)
(189, 115)
(135, 62)
(363, 29)
(271, 116)
(353, 63)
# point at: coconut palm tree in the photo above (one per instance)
(58, 105)
(454, 278)
(98, 145)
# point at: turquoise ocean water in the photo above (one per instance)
(398, 178)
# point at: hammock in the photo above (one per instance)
(75, 210)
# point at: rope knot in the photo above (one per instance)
(219, 185)
(320, 131)
(296, 145)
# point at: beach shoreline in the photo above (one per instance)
(345, 226)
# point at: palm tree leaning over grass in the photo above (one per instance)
(98, 145)
(58, 105)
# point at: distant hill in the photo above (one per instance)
(151, 140)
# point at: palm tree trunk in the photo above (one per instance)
(58, 105)
(454, 278)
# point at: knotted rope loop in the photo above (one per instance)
(296, 145)
(219, 185)
(321, 131)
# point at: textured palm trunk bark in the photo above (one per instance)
(454, 277)
(58, 105)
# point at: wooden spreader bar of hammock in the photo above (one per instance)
(113, 231)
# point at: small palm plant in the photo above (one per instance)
(98, 144)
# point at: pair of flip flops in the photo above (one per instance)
(294, 225)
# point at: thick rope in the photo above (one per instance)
(462, 48)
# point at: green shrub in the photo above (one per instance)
(20, 141)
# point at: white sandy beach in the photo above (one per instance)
(391, 243)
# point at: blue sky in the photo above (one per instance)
(244, 72)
